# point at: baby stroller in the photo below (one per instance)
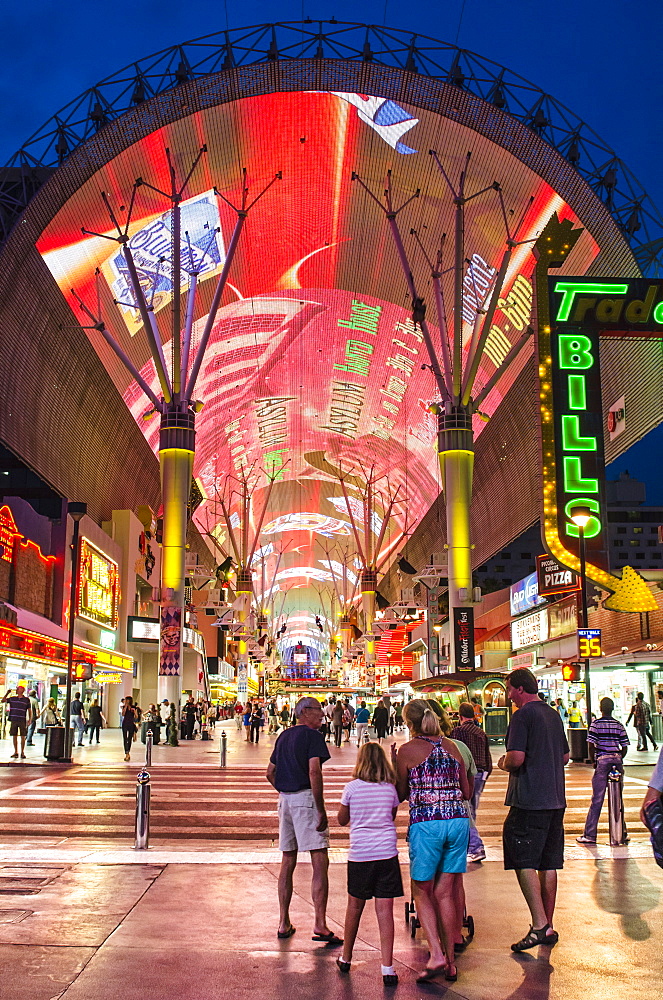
(412, 920)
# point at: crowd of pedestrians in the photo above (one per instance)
(440, 772)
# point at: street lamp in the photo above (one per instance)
(76, 512)
(581, 516)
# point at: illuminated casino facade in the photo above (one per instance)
(314, 365)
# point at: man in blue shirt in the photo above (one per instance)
(361, 722)
(20, 716)
(295, 771)
(608, 743)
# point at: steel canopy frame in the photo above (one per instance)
(607, 175)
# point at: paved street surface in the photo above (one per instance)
(84, 915)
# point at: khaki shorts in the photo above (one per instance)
(298, 818)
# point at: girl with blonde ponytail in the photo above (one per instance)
(431, 774)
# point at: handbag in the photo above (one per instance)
(654, 822)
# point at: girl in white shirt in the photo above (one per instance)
(369, 805)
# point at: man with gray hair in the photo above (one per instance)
(295, 770)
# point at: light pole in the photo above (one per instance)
(76, 512)
(581, 516)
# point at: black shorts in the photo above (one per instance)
(534, 838)
(379, 879)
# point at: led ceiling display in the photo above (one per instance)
(313, 356)
(315, 369)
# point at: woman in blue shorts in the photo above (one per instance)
(432, 776)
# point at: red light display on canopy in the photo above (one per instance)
(314, 357)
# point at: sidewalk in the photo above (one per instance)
(182, 932)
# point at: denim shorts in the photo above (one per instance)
(438, 845)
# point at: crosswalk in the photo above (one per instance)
(235, 804)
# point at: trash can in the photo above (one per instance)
(54, 742)
(143, 732)
(577, 743)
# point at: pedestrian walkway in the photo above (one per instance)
(160, 932)
(194, 799)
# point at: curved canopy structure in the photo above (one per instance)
(315, 371)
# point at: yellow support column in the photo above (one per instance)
(176, 460)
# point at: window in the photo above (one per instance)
(633, 515)
(634, 541)
(639, 555)
(505, 555)
(650, 543)
(525, 555)
(482, 569)
(656, 555)
(638, 531)
(653, 531)
(499, 569)
(623, 555)
(621, 531)
(618, 542)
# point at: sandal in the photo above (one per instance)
(390, 980)
(431, 973)
(544, 935)
(330, 939)
(343, 967)
(450, 976)
(286, 934)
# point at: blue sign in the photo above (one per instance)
(524, 595)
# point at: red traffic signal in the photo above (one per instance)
(572, 672)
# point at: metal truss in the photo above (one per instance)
(612, 181)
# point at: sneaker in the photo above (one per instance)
(585, 840)
(478, 856)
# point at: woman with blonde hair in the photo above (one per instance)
(369, 805)
(431, 774)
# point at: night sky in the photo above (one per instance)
(602, 58)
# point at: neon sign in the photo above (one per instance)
(572, 313)
(99, 587)
(8, 534)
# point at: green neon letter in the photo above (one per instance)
(577, 392)
(593, 526)
(573, 479)
(575, 351)
(658, 313)
(572, 288)
(571, 439)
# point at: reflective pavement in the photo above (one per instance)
(83, 915)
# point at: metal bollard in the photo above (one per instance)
(142, 841)
(149, 739)
(223, 749)
(616, 824)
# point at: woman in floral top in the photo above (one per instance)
(432, 776)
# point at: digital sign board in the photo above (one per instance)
(99, 587)
(313, 363)
(589, 643)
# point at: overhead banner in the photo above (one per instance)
(463, 619)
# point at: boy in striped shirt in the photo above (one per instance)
(608, 743)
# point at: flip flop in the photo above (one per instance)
(330, 938)
(429, 974)
(286, 934)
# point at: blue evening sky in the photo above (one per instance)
(602, 58)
